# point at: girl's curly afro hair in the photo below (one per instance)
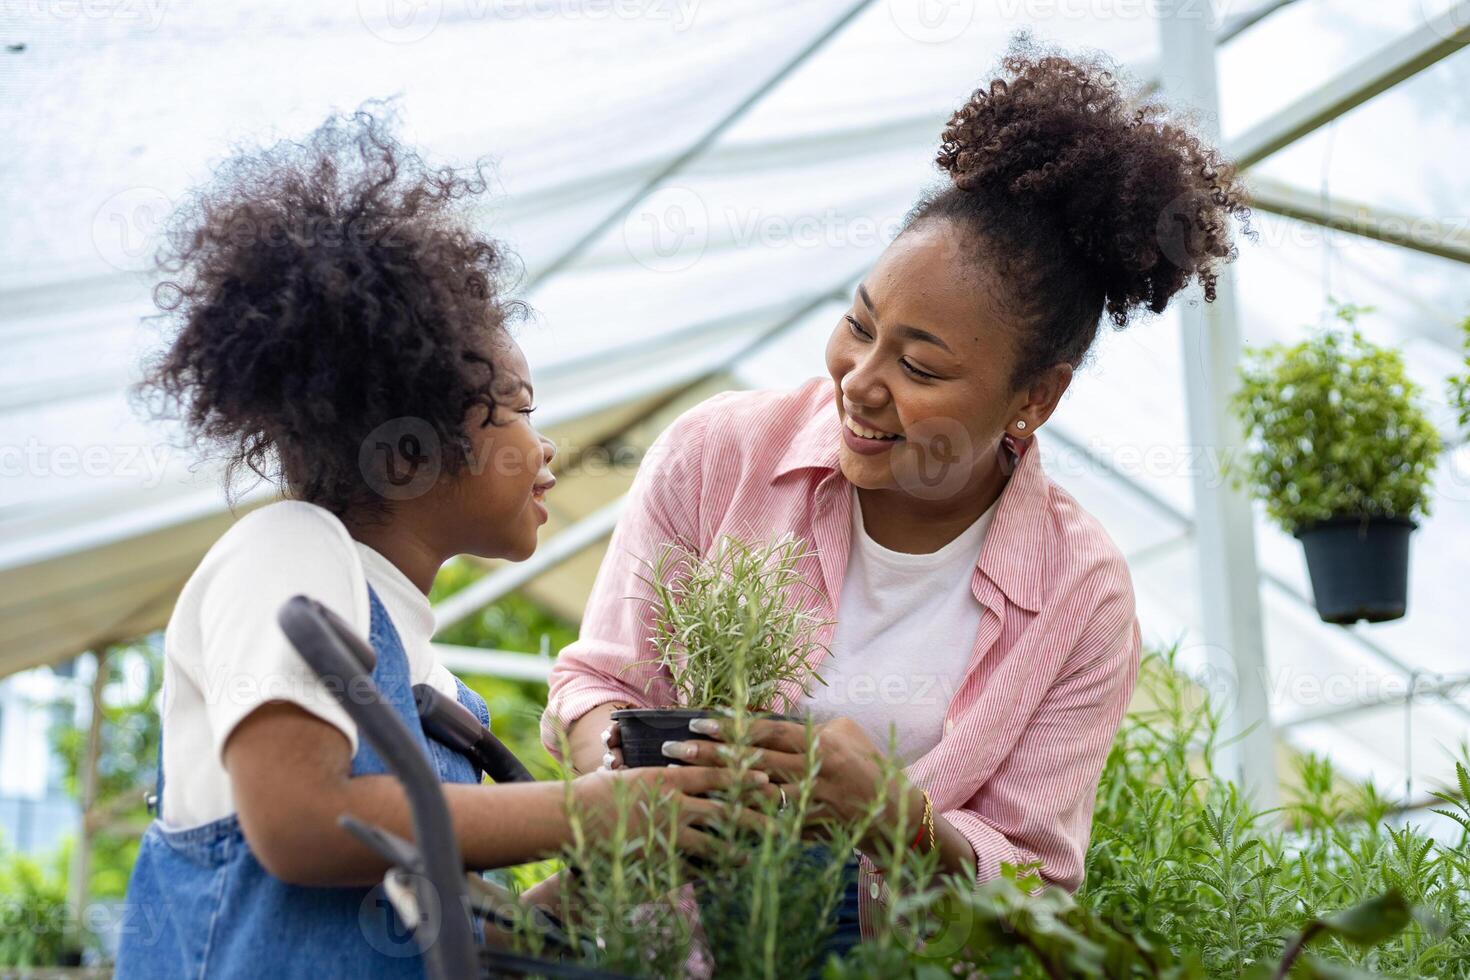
(1084, 201)
(320, 289)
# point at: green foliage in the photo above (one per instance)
(1335, 428)
(1184, 881)
(1459, 384)
(726, 627)
(35, 923)
(766, 892)
(513, 622)
(126, 764)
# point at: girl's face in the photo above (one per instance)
(503, 489)
(921, 365)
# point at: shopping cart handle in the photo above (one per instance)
(451, 723)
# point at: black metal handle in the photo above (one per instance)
(339, 656)
(446, 720)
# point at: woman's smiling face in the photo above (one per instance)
(921, 363)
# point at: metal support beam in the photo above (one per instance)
(1240, 23)
(1421, 234)
(1224, 525)
(506, 664)
(1435, 40)
(699, 146)
(1446, 687)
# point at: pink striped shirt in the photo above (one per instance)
(1051, 670)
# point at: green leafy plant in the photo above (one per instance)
(727, 629)
(765, 895)
(1184, 880)
(1334, 428)
(36, 925)
(1459, 384)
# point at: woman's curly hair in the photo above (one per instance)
(1089, 202)
(320, 289)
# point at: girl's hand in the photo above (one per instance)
(849, 778)
(612, 741)
(596, 797)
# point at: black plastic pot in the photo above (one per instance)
(1359, 567)
(644, 731)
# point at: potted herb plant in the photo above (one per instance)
(730, 635)
(1342, 453)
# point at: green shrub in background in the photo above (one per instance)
(1459, 384)
(1334, 428)
(35, 924)
(512, 623)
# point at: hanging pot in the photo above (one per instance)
(643, 732)
(1359, 567)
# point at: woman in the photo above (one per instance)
(981, 614)
(342, 329)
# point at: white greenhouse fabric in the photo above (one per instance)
(109, 117)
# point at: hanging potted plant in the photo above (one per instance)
(730, 636)
(1342, 454)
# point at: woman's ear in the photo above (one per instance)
(1040, 400)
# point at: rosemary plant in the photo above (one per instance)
(728, 627)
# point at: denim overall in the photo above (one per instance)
(199, 904)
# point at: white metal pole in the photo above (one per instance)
(1229, 583)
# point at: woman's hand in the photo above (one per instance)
(850, 772)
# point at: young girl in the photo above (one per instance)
(341, 331)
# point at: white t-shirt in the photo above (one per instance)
(906, 626)
(224, 655)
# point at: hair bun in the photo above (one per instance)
(1143, 202)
